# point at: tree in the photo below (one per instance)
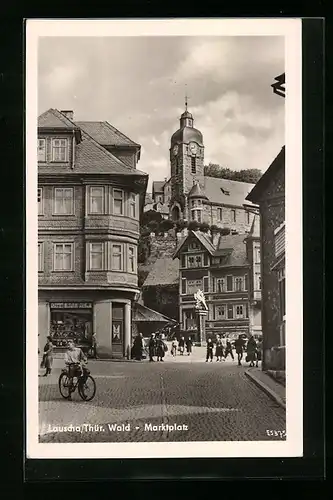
(165, 225)
(151, 216)
(224, 231)
(204, 227)
(181, 224)
(251, 175)
(193, 225)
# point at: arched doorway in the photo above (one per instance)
(175, 213)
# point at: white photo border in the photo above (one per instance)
(291, 30)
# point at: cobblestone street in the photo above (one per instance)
(207, 401)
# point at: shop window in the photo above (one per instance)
(71, 321)
(63, 201)
(41, 150)
(96, 256)
(40, 201)
(117, 258)
(118, 202)
(59, 150)
(96, 199)
(63, 256)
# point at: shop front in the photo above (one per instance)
(108, 318)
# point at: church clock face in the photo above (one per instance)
(193, 148)
(175, 149)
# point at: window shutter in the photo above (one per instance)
(184, 285)
(183, 261)
(229, 284)
(205, 284)
(246, 282)
(247, 310)
(206, 259)
(230, 312)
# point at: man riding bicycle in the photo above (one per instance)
(75, 361)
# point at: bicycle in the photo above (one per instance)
(68, 385)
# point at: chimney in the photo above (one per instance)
(68, 113)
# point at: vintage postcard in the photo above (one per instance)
(164, 248)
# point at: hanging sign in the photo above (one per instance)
(71, 305)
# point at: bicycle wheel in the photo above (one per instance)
(64, 385)
(87, 390)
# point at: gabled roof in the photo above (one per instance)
(106, 134)
(225, 191)
(203, 238)
(90, 156)
(52, 118)
(165, 271)
(264, 181)
(143, 314)
(233, 247)
(158, 186)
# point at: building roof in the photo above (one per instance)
(225, 191)
(52, 118)
(158, 186)
(143, 314)
(196, 191)
(234, 248)
(264, 181)
(203, 238)
(106, 134)
(187, 135)
(90, 156)
(165, 271)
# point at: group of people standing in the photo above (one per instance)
(157, 347)
(224, 348)
(188, 343)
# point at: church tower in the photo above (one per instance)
(187, 164)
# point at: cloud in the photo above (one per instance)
(62, 78)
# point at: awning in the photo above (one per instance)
(143, 314)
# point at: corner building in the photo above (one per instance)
(90, 195)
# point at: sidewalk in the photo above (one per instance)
(273, 389)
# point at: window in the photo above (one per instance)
(206, 260)
(205, 284)
(40, 257)
(257, 255)
(193, 245)
(219, 214)
(230, 312)
(229, 284)
(246, 280)
(196, 215)
(194, 261)
(190, 320)
(220, 285)
(282, 292)
(239, 312)
(40, 200)
(259, 282)
(59, 150)
(116, 258)
(183, 261)
(233, 215)
(198, 261)
(63, 201)
(183, 286)
(118, 202)
(238, 284)
(132, 206)
(63, 257)
(193, 286)
(191, 262)
(96, 256)
(41, 150)
(96, 199)
(131, 260)
(193, 164)
(220, 312)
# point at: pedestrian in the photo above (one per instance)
(152, 347)
(174, 347)
(210, 347)
(259, 351)
(181, 345)
(239, 345)
(228, 350)
(189, 344)
(224, 346)
(161, 348)
(251, 349)
(218, 349)
(48, 356)
(138, 347)
(94, 345)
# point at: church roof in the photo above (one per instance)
(225, 191)
(186, 135)
(196, 192)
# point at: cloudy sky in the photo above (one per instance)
(138, 84)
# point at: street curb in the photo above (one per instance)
(266, 389)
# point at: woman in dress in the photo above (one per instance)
(218, 349)
(48, 356)
(251, 349)
(189, 344)
(181, 345)
(160, 348)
